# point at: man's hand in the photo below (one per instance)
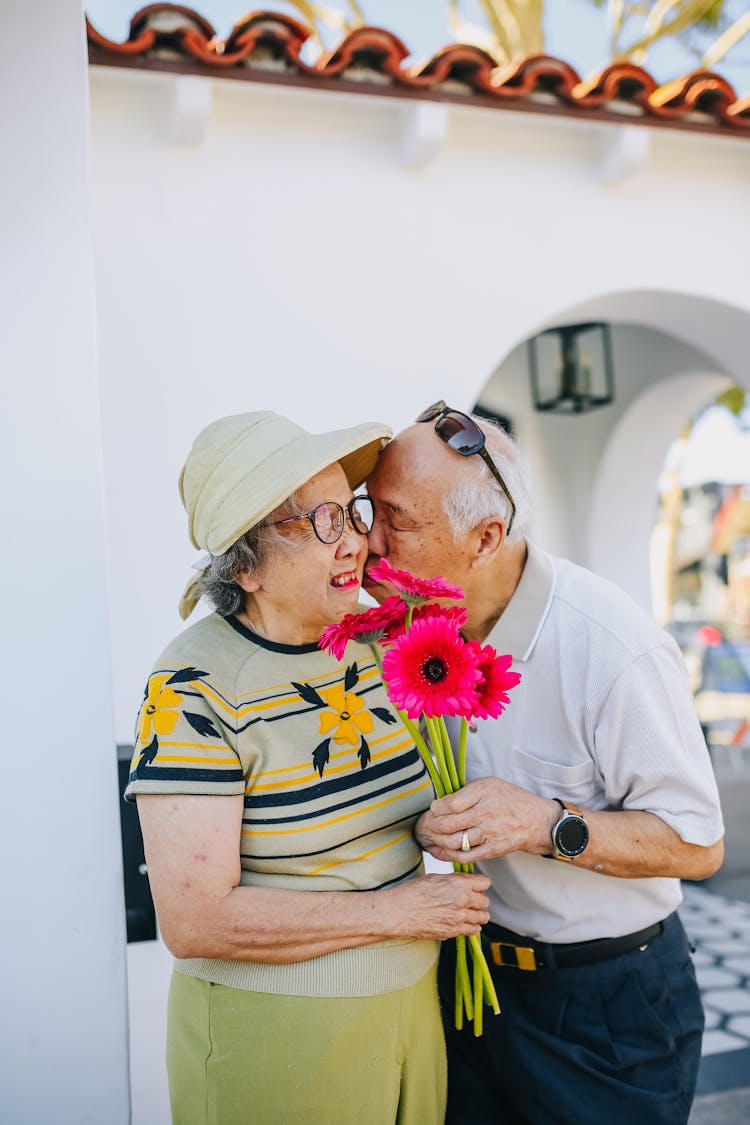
(501, 818)
(498, 817)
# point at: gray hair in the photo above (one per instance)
(478, 497)
(250, 553)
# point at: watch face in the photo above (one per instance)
(572, 835)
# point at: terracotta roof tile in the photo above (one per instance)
(618, 82)
(268, 46)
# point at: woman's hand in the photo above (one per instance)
(439, 906)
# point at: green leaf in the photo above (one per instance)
(733, 398)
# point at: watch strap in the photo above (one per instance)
(569, 807)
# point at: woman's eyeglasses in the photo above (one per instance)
(329, 518)
(464, 436)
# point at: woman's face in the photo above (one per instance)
(296, 593)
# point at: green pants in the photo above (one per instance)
(252, 1058)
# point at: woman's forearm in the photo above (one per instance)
(277, 926)
(192, 853)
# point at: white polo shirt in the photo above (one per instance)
(603, 717)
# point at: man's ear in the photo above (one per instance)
(490, 538)
(248, 581)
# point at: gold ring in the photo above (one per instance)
(465, 843)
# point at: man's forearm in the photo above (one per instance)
(631, 845)
(501, 818)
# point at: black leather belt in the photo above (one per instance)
(516, 951)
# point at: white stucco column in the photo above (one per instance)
(63, 1000)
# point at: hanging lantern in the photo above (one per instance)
(571, 368)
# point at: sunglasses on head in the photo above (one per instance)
(464, 436)
(329, 518)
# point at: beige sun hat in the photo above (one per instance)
(243, 467)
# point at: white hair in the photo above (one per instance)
(478, 496)
(249, 553)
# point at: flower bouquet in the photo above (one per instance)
(431, 672)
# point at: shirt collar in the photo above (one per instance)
(521, 621)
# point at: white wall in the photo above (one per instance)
(290, 261)
(62, 941)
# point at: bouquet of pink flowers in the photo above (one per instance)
(430, 672)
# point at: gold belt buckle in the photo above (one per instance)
(525, 958)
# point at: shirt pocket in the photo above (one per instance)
(579, 783)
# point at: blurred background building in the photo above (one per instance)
(700, 564)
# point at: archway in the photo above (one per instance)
(596, 474)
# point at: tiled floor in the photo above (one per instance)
(720, 930)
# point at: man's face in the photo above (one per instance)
(411, 528)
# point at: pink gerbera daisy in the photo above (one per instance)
(491, 691)
(455, 613)
(431, 669)
(366, 627)
(415, 591)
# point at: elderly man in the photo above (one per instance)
(586, 802)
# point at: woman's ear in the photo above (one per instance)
(248, 581)
(490, 538)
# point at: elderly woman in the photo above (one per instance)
(277, 795)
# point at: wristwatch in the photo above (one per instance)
(570, 834)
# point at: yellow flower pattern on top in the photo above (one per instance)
(348, 717)
(158, 710)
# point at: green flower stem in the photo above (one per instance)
(464, 988)
(439, 750)
(424, 753)
(436, 751)
(462, 753)
(458, 996)
(464, 998)
(448, 752)
(490, 996)
(478, 1000)
(477, 953)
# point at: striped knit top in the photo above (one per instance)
(332, 785)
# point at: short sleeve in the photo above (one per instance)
(651, 750)
(184, 742)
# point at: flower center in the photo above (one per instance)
(345, 716)
(434, 670)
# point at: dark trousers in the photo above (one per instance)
(611, 1043)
